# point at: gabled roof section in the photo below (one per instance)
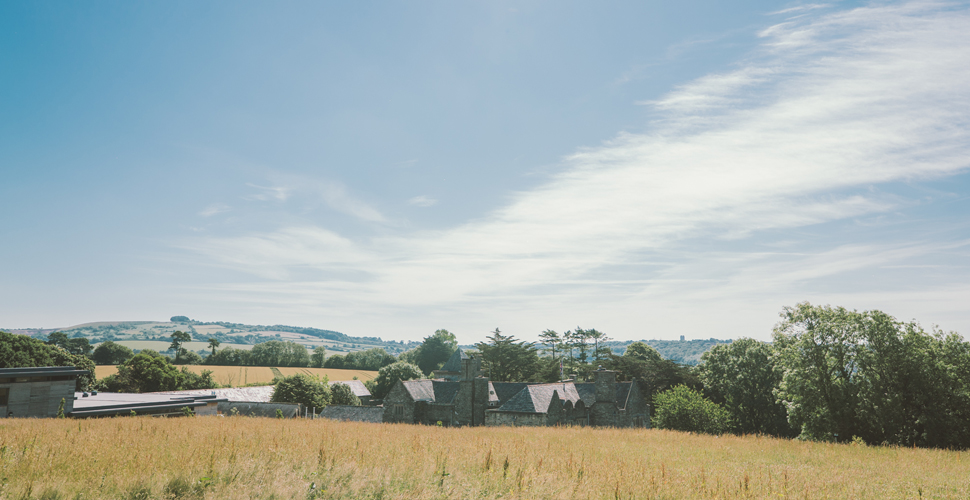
(419, 390)
(454, 362)
(535, 398)
(432, 391)
(500, 393)
(587, 391)
(444, 392)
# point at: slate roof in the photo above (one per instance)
(535, 398)
(500, 393)
(454, 362)
(587, 391)
(444, 392)
(358, 387)
(419, 390)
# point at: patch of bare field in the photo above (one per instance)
(239, 457)
(238, 376)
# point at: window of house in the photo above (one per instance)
(399, 411)
(4, 393)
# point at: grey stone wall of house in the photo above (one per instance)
(434, 413)
(464, 412)
(398, 406)
(636, 411)
(472, 397)
(353, 413)
(604, 411)
(508, 418)
(479, 400)
(259, 409)
(36, 399)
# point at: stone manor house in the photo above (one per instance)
(459, 395)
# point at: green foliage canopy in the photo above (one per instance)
(342, 394)
(110, 353)
(279, 353)
(21, 351)
(684, 409)
(864, 374)
(389, 375)
(319, 357)
(643, 352)
(744, 375)
(302, 389)
(505, 359)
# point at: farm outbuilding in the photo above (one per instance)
(37, 392)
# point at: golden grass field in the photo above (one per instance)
(240, 457)
(242, 375)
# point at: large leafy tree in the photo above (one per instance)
(21, 351)
(435, 350)
(819, 347)
(302, 389)
(58, 339)
(230, 356)
(110, 353)
(147, 371)
(507, 360)
(342, 394)
(390, 375)
(865, 374)
(744, 376)
(319, 357)
(371, 359)
(643, 352)
(279, 353)
(654, 375)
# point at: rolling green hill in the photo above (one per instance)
(157, 335)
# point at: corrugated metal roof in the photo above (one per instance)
(41, 371)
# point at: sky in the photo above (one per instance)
(648, 169)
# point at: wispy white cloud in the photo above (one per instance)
(270, 193)
(829, 106)
(422, 201)
(214, 209)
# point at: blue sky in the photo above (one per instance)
(648, 169)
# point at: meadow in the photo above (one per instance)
(238, 376)
(240, 457)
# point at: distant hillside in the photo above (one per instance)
(686, 352)
(157, 335)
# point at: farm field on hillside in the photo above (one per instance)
(269, 458)
(243, 375)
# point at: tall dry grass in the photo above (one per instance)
(239, 457)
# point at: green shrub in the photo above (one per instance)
(683, 409)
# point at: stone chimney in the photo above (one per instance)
(605, 381)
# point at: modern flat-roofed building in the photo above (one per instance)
(37, 392)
